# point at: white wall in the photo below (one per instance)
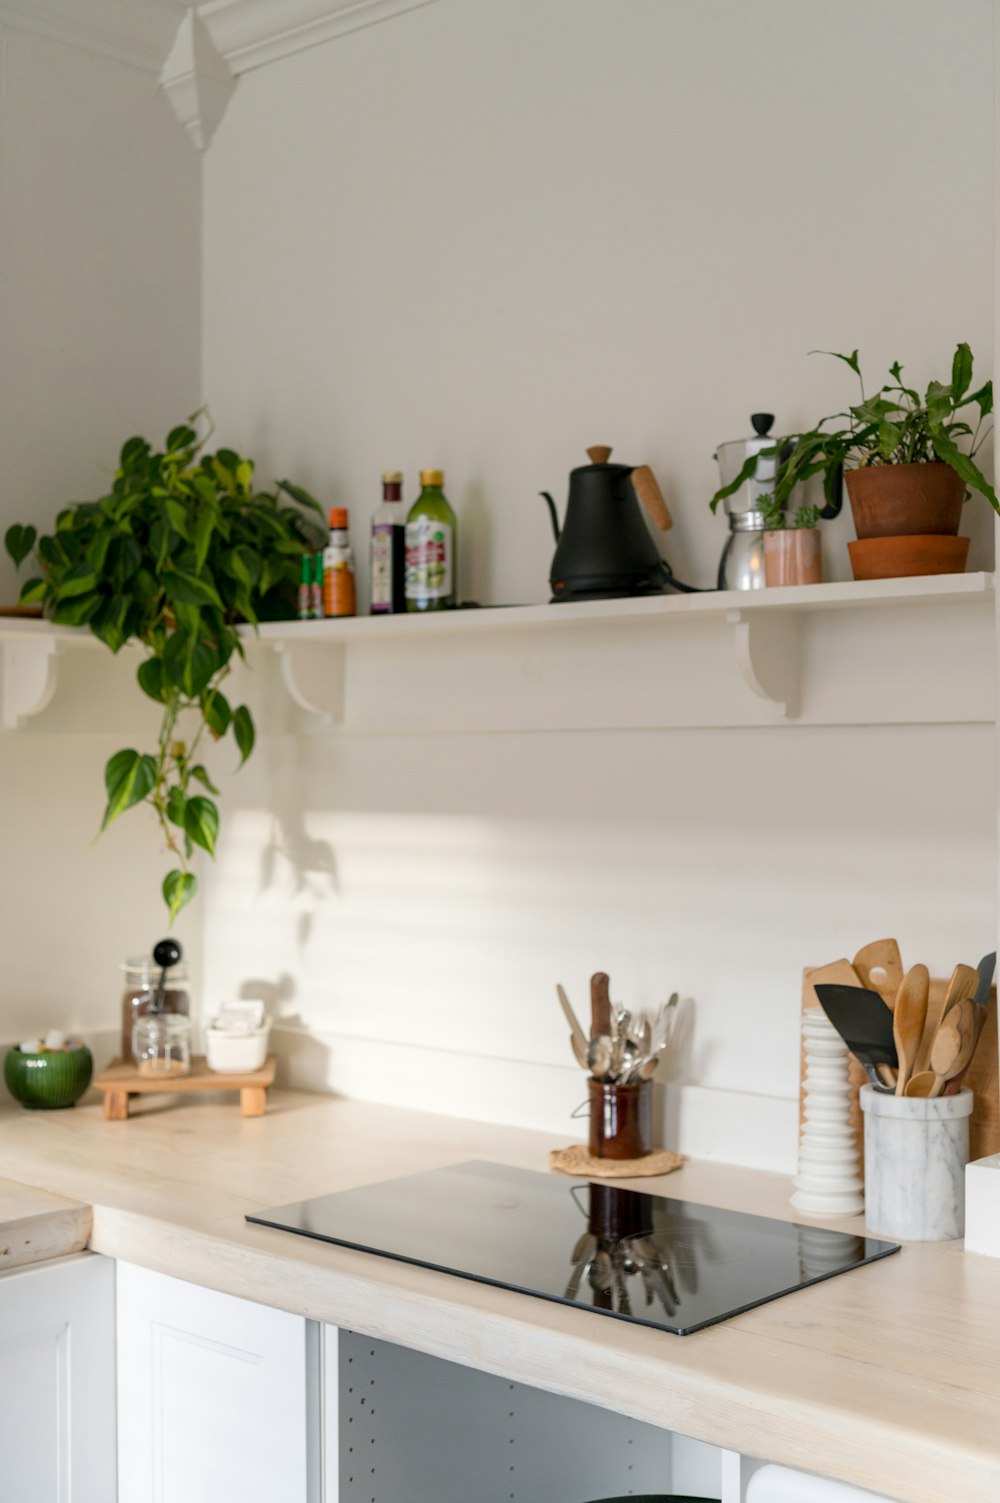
(485, 235)
(491, 232)
(99, 329)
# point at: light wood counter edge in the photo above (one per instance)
(36, 1226)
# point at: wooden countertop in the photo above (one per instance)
(36, 1225)
(888, 1378)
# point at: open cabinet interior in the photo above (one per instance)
(413, 1427)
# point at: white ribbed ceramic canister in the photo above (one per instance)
(916, 1151)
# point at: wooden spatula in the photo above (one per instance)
(908, 1018)
(880, 968)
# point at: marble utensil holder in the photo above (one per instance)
(916, 1151)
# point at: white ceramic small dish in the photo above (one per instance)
(231, 1053)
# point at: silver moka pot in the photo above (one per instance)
(741, 566)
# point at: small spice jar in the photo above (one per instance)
(162, 1045)
(621, 1119)
(141, 976)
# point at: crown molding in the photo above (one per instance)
(136, 32)
(252, 33)
(196, 80)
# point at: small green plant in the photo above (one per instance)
(181, 549)
(895, 426)
(776, 517)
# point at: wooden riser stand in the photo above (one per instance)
(121, 1080)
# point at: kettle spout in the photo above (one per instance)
(552, 512)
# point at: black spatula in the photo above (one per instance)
(865, 1024)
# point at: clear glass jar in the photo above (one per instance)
(141, 976)
(161, 1044)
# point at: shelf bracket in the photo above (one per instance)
(767, 655)
(27, 679)
(314, 678)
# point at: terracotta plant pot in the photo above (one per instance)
(793, 556)
(905, 500)
(893, 558)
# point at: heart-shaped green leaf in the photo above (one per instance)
(19, 542)
(200, 774)
(217, 713)
(243, 730)
(128, 779)
(178, 889)
(201, 822)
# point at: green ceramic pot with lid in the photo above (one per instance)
(46, 1079)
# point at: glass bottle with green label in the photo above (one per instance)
(430, 548)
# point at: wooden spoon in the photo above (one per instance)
(909, 1016)
(964, 983)
(880, 967)
(951, 1051)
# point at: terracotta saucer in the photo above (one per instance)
(892, 558)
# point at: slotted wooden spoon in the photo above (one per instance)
(880, 968)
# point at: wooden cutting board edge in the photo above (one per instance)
(983, 1075)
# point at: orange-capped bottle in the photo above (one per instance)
(339, 593)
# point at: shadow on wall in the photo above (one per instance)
(290, 848)
(304, 1061)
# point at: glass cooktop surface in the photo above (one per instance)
(644, 1258)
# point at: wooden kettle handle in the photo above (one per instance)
(645, 485)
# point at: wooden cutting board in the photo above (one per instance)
(983, 1076)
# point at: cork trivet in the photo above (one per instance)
(577, 1160)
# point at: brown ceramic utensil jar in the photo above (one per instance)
(621, 1119)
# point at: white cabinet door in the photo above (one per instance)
(776, 1484)
(216, 1396)
(57, 1382)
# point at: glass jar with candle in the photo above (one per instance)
(161, 1045)
(141, 976)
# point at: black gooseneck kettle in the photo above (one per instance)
(604, 549)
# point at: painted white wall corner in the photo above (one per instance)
(197, 81)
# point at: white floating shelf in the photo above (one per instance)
(849, 595)
(872, 652)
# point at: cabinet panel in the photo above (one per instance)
(215, 1396)
(776, 1484)
(414, 1428)
(57, 1382)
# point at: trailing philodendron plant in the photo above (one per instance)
(895, 426)
(181, 549)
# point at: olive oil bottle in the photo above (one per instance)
(430, 548)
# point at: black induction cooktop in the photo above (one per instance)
(644, 1258)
